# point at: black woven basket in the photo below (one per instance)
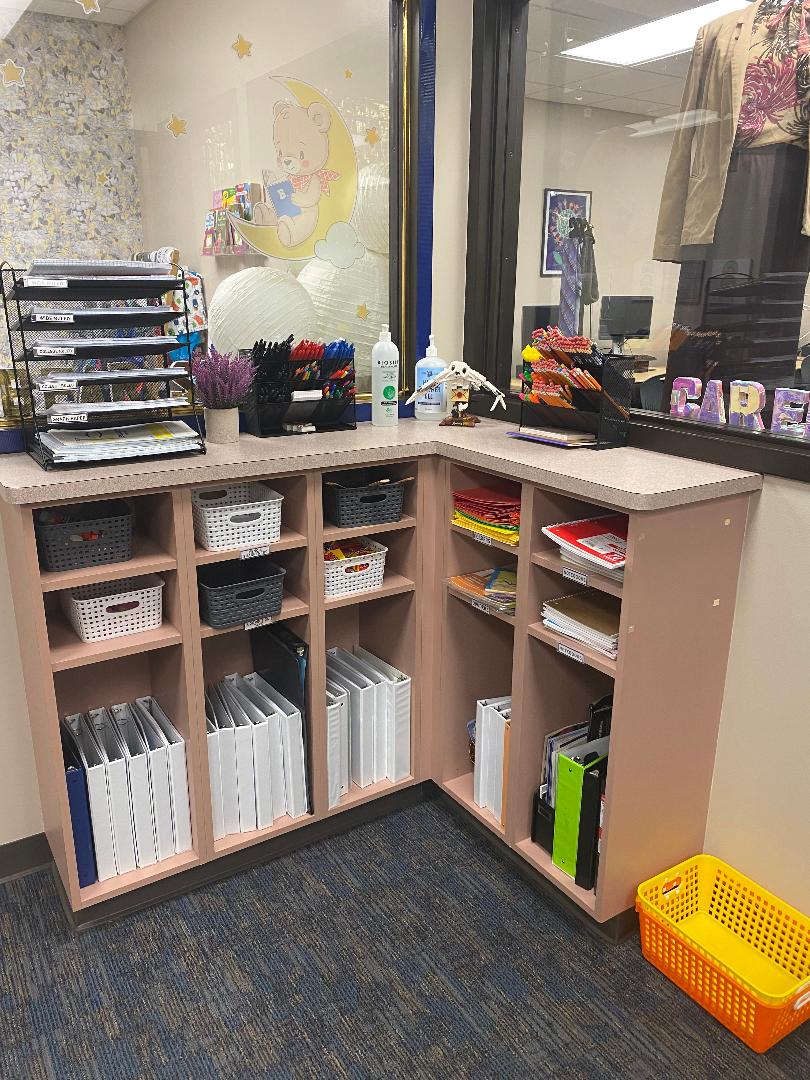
(240, 591)
(71, 537)
(352, 498)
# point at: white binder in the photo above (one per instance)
(380, 713)
(178, 773)
(112, 754)
(361, 720)
(398, 720)
(227, 761)
(482, 775)
(157, 754)
(98, 794)
(139, 790)
(241, 707)
(214, 773)
(337, 742)
(245, 773)
(292, 741)
(276, 743)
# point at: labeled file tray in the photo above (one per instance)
(90, 352)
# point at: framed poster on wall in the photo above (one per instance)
(560, 207)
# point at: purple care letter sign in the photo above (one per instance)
(746, 402)
(683, 392)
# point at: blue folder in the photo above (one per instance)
(79, 805)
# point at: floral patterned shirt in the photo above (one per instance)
(776, 91)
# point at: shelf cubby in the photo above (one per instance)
(293, 522)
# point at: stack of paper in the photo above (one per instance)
(597, 543)
(591, 617)
(488, 513)
(97, 268)
(372, 741)
(493, 589)
(137, 440)
(256, 755)
(125, 769)
(493, 723)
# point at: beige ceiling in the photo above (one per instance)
(112, 11)
(554, 25)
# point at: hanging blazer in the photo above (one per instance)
(701, 151)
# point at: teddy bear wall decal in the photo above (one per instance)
(301, 142)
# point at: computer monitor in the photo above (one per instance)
(625, 317)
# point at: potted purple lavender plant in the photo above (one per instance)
(222, 382)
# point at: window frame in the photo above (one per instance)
(500, 38)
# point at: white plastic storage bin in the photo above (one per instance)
(238, 515)
(361, 573)
(110, 609)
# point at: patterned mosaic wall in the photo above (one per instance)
(68, 184)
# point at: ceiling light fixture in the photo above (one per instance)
(654, 40)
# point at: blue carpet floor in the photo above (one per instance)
(405, 948)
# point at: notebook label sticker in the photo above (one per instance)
(575, 575)
(480, 607)
(45, 283)
(483, 539)
(563, 650)
(58, 384)
(254, 624)
(255, 552)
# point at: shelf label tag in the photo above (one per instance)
(54, 317)
(483, 539)
(45, 283)
(69, 418)
(575, 575)
(53, 350)
(255, 552)
(254, 624)
(480, 607)
(58, 384)
(563, 650)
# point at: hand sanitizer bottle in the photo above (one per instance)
(385, 381)
(433, 404)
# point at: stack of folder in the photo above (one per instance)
(487, 513)
(125, 769)
(590, 617)
(569, 805)
(256, 755)
(494, 590)
(493, 724)
(368, 721)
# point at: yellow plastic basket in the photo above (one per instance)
(738, 950)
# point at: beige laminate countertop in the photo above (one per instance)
(627, 479)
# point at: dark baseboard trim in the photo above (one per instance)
(24, 856)
(235, 863)
(614, 930)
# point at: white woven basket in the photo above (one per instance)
(238, 515)
(344, 577)
(111, 609)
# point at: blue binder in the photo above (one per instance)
(79, 805)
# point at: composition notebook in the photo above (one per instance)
(600, 540)
(591, 617)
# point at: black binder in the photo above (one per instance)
(593, 784)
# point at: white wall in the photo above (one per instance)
(584, 149)
(759, 815)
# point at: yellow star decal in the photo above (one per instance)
(347, 74)
(372, 138)
(242, 47)
(102, 178)
(12, 74)
(89, 6)
(177, 126)
(362, 312)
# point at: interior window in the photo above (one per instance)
(678, 134)
(255, 147)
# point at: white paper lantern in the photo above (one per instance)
(351, 304)
(371, 210)
(259, 302)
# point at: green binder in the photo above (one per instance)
(571, 769)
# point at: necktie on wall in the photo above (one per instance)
(570, 287)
